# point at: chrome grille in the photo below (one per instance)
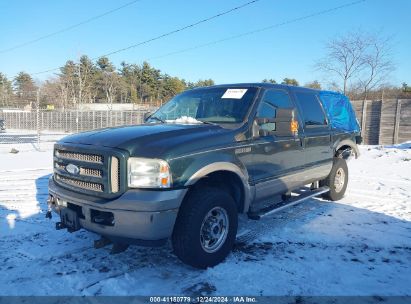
(91, 158)
(99, 170)
(60, 166)
(83, 171)
(115, 175)
(91, 172)
(80, 184)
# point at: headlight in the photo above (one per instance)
(148, 173)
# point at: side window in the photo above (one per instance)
(266, 110)
(270, 102)
(311, 109)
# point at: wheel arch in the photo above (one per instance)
(235, 180)
(344, 145)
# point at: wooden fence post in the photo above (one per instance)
(363, 119)
(381, 123)
(397, 121)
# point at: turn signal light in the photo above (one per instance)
(294, 126)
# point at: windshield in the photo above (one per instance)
(214, 105)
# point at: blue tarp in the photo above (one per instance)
(339, 110)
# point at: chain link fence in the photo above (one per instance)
(36, 126)
(383, 122)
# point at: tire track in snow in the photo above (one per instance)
(260, 227)
(360, 178)
(379, 199)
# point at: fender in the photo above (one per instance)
(224, 166)
(348, 142)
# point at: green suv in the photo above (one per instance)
(199, 161)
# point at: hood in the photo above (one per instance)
(155, 140)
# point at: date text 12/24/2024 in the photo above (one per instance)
(203, 299)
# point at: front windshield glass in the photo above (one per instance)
(214, 105)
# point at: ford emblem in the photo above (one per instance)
(73, 169)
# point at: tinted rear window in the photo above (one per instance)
(311, 109)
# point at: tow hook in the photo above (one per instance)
(50, 201)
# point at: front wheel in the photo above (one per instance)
(337, 180)
(206, 227)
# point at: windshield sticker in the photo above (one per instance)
(234, 93)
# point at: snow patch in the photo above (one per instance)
(185, 120)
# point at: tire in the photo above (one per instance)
(339, 172)
(202, 212)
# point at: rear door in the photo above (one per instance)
(316, 139)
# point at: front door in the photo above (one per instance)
(274, 157)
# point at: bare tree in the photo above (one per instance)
(69, 82)
(110, 84)
(360, 60)
(63, 93)
(377, 65)
(345, 57)
(50, 91)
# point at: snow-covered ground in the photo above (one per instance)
(27, 140)
(360, 245)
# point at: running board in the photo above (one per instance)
(294, 200)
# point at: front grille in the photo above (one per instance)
(97, 172)
(91, 158)
(115, 175)
(80, 184)
(83, 171)
(91, 172)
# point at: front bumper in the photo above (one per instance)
(144, 217)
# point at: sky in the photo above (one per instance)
(290, 50)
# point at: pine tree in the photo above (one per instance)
(6, 91)
(25, 89)
(313, 85)
(87, 80)
(69, 83)
(290, 81)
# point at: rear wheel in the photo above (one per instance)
(337, 180)
(206, 227)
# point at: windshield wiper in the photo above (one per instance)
(207, 122)
(157, 118)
